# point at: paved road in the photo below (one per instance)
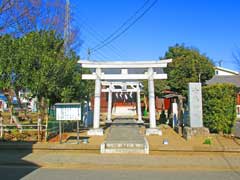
(72, 165)
(29, 173)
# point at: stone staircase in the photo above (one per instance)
(124, 137)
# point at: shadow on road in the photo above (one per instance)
(227, 160)
(12, 163)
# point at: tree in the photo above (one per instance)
(188, 66)
(20, 17)
(77, 90)
(219, 107)
(48, 73)
(8, 68)
(11, 69)
(45, 66)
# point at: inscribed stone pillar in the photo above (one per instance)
(195, 104)
(175, 114)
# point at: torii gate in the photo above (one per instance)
(110, 88)
(150, 74)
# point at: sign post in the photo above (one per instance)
(68, 112)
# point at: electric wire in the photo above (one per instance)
(97, 35)
(124, 23)
(125, 29)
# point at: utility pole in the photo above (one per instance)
(67, 27)
(88, 53)
(220, 63)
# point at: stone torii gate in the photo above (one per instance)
(150, 69)
(111, 88)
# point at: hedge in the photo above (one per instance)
(219, 107)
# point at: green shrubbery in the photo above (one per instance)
(219, 107)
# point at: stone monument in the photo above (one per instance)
(195, 104)
(195, 120)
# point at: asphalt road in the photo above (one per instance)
(30, 172)
(71, 165)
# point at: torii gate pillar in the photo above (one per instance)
(139, 112)
(96, 131)
(152, 114)
(109, 114)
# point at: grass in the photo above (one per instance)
(207, 141)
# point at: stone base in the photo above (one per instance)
(108, 122)
(179, 130)
(95, 132)
(153, 131)
(189, 132)
(140, 122)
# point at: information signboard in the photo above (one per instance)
(68, 111)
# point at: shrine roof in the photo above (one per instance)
(234, 79)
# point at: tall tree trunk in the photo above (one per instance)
(44, 113)
(9, 93)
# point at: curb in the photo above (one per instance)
(96, 148)
(90, 166)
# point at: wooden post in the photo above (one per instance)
(60, 132)
(77, 131)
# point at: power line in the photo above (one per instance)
(99, 53)
(96, 39)
(124, 24)
(125, 29)
(112, 48)
(96, 34)
(87, 45)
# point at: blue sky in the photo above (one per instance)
(211, 26)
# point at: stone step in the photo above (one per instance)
(125, 138)
(125, 142)
(124, 145)
(125, 151)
